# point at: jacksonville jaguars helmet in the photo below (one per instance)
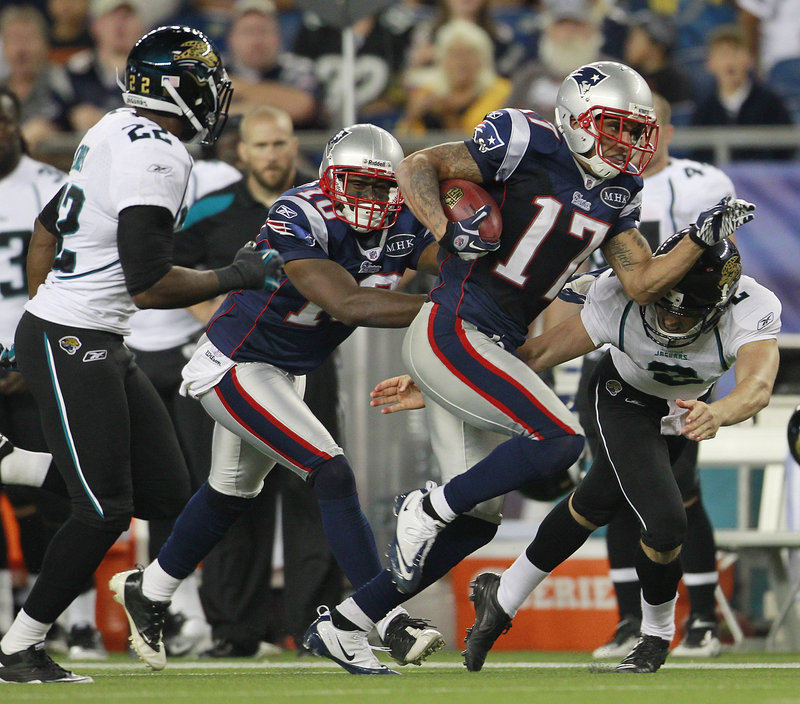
(363, 150)
(793, 434)
(615, 127)
(704, 293)
(178, 70)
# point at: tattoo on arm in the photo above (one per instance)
(451, 160)
(627, 250)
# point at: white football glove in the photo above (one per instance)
(720, 221)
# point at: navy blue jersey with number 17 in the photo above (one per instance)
(554, 217)
(283, 327)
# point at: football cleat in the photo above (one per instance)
(34, 666)
(624, 639)
(701, 639)
(647, 655)
(350, 649)
(490, 620)
(414, 536)
(145, 617)
(86, 643)
(411, 640)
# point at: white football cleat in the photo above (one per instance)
(350, 649)
(414, 537)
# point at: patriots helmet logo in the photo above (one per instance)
(587, 77)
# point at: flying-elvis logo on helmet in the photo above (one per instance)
(197, 50)
(587, 77)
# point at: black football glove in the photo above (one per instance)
(721, 221)
(462, 237)
(252, 268)
(8, 357)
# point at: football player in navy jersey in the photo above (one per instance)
(563, 190)
(346, 241)
(652, 385)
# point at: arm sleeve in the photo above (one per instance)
(49, 214)
(145, 243)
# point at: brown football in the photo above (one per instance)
(460, 199)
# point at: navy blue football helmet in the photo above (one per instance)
(178, 70)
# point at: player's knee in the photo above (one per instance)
(592, 517)
(109, 521)
(224, 504)
(666, 536)
(661, 557)
(333, 479)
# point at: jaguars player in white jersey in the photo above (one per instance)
(673, 191)
(101, 248)
(653, 386)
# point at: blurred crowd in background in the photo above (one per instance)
(420, 65)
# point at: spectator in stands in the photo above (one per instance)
(773, 30)
(262, 74)
(739, 98)
(115, 26)
(571, 37)
(507, 53)
(31, 76)
(461, 87)
(381, 43)
(648, 49)
(69, 28)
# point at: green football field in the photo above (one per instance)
(546, 678)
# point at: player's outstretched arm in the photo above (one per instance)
(561, 343)
(398, 393)
(755, 370)
(419, 174)
(332, 288)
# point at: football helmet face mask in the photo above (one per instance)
(614, 127)
(357, 173)
(178, 70)
(703, 294)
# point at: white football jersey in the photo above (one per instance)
(609, 316)
(23, 194)
(164, 328)
(124, 160)
(674, 197)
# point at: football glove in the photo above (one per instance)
(720, 221)
(793, 434)
(462, 237)
(578, 286)
(252, 268)
(8, 357)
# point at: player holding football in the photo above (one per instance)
(101, 248)
(564, 190)
(346, 240)
(653, 386)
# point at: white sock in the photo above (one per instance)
(24, 633)
(659, 620)
(441, 506)
(517, 582)
(186, 599)
(386, 620)
(352, 612)
(25, 467)
(6, 601)
(81, 612)
(157, 585)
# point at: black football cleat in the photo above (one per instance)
(490, 620)
(411, 640)
(647, 655)
(34, 666)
